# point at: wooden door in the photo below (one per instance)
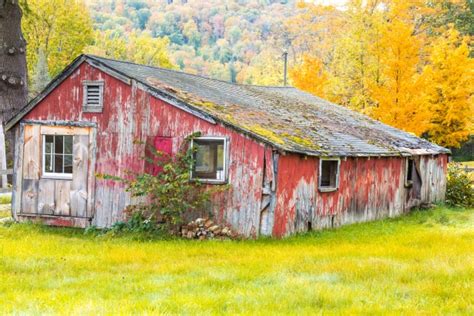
(45, 192)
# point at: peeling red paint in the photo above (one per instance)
(368, 188)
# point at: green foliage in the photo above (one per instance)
(459, 190)
(136, 47)
(213, 38)
(41, 75)
(61, 28)
(167, 196)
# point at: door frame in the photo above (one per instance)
(18, 173)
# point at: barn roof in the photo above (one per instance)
(288, 118)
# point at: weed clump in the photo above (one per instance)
(459, 190)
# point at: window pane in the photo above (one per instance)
(58, 163)
(204, 162)
(48, 143)
(220, 157)
(48, 163)
(209, 159)
(58, 144)
(68, 144)
(67, 163)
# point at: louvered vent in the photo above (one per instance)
(94, 95)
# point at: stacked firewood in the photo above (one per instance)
(204, 228)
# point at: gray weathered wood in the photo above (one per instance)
(29, 196)
(18, 174)
(31, 152)
(62, 191)
(6, 172)
(91, 177)
(3, 157)
(53, 123)
(80, 174)
(46, 195)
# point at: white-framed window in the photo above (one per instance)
(57, 156)
(409, 172)
(210, 159)
(329, 174)
(93, 96)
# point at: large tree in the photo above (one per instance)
(13, 90)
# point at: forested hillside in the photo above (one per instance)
(230, 40)
(407, 63)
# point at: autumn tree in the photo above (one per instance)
(41, 76)
(310, 76)
(399, 94)
(139, 48)
(61, 28)
(450, 77)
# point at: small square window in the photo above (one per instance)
(57, 155)
(328, 175)
(209, 159)
(93, 96)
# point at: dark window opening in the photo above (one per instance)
(57, 154)
(410, 172)
(209, 159)
(329, 174)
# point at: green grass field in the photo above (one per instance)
(421, 263)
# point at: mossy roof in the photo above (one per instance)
(285, 117)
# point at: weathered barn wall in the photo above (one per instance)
(369, 189)
(131, 114)
(270, 193)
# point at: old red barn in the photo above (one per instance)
(293, 161)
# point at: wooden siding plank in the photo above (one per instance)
(46, 196)
(18, 172)
(29, 203)
(31, 152)
(78, 195)
(62, 191)
(91, 180)
(64, 130)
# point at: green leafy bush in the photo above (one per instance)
(166, 196)
(459, 190)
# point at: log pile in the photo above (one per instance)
(204, 228)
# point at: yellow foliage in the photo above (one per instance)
(398, 94)
(61, 28)
(309, 76)
(139, 48)
(450, 75)
(265, 69)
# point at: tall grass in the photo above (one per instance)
(421, 263)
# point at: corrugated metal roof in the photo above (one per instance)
(288, 118)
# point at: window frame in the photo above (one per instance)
(225, 163)
(93, 108)
(408, 161)
(55, 175)
(338, 171)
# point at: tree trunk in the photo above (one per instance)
(13, 90)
